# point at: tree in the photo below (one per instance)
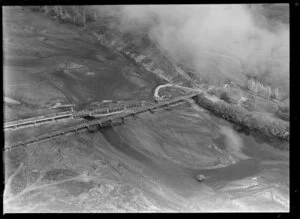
(224, 96)
(47, 9)
(84, 16)
(249, 105)
(283, 112)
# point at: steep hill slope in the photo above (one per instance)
(148, 164)
(142, 49)
(47, 62)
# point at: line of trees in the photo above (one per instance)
(270, 127)
(77, 15)
(263, 90)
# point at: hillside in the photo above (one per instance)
(86, 56)
(65, 64)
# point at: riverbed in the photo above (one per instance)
(173, 155)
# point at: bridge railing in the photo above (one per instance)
(100, 121)
(70, 114)
(141, 109)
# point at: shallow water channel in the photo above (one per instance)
(182, 178)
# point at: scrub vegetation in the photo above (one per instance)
(91, 56)
(283, 113)
(271, 127)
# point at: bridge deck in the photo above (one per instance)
(101, 121)
(69, 115)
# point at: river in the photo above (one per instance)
(251, 160)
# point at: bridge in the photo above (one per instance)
(34, 121)
(105, 121)
(67, 115)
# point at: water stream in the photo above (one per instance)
(177, 177)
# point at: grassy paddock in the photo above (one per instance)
(270, 127)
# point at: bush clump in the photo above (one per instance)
(249, 105)
(283, 113)
(222, 93)
(224, 96)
